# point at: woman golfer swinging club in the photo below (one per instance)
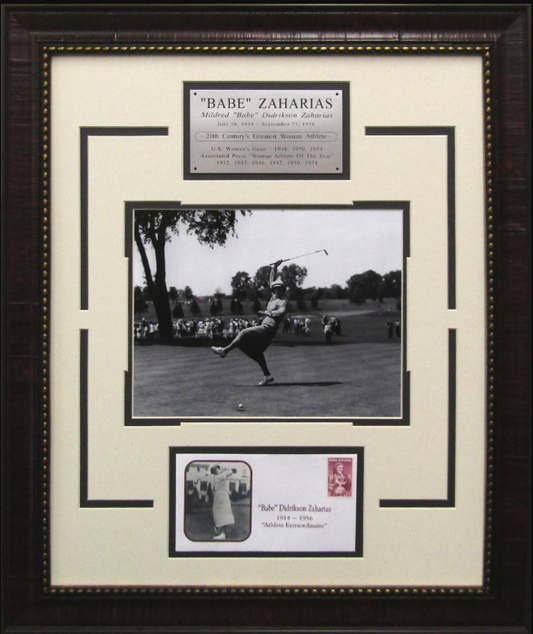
(222, 513)
(255, 340)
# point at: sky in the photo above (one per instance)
(356, 241)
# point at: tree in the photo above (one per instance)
(177, 313)
(355, 282)
(338, 292)
(236, 306)
(139, 301)
(187, 291)
(261, 281)
(382, 291)
(155, 228)
(393, 284)
(358, 296)
(195, 309)
(309, 292)
(217, 300)
(173, 293)
(363, 286)
(241, 283)
(371, 283)
(256, 305)
(293, 276)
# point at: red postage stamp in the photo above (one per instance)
(340, 477)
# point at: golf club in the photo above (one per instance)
(301, 256)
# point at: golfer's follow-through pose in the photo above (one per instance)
(255, 340)
(222, 513)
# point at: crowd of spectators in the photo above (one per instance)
(145, 330)
(331, 326)
(298, 324)
(211, 327)
(208, 328)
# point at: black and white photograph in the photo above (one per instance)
(217, 501)
(268, 313)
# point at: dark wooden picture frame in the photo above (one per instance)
(25, 337)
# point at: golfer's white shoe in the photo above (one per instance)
(219, 351)
(266, 380)
(221, 536)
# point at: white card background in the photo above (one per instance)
(287, 479)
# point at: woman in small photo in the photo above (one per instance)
(222, 513)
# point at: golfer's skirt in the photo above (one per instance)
(255, 339)
(222, 513)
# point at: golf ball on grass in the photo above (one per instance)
(240, 407)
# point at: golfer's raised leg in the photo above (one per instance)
(222, 352)
(257, 356)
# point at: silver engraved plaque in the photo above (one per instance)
(271, 130)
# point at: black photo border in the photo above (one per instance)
(146, 421)
(220, 451)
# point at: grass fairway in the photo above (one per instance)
(312, 379)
